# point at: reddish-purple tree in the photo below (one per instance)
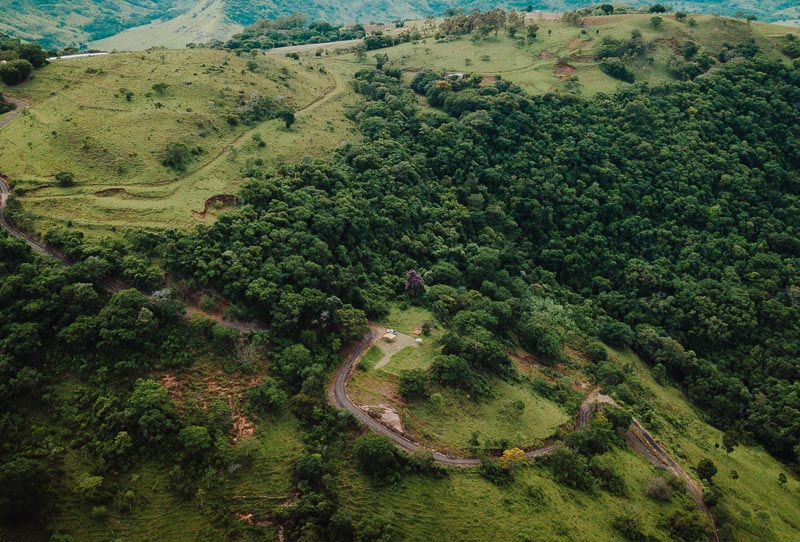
(414, 284)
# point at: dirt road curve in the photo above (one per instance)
(13, 114)
(337, 396)
(35, 245)
(645, 445)
(637, 436)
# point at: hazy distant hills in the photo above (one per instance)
(72, 22)
(176, 22)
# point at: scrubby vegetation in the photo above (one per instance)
(290, 30)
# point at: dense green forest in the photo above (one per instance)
(79, 377)
(672, 210)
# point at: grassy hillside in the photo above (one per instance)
(79, 122)
(204, 22)
(57, 24)
(467, 507)
(753, 505)
(174, 23)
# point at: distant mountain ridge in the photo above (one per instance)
(177, 22)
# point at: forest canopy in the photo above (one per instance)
(671, 209)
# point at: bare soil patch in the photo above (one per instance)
(222, 199)
(672, 43)
(384, 413)
(208, 385)
(563, 70)
(108, 192)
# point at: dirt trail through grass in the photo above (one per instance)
(637, 436)
(328, 93)
(13, 114)
(112, 285)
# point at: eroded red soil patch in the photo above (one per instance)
(563, 70)
(202, 388)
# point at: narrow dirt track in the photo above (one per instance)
(35, 245)
(21, 106)
(640, 440)
(112, 285)
(338, 397)
(648, 447)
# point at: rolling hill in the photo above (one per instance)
(56, 24)
(81, 124)
(173, 23)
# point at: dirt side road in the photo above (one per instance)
(12, 114)
(637, 436)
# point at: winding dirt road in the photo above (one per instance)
(112, 285)
(35, 245)
(640, 440)
(338, 397)
(13, 114)
(637, 436)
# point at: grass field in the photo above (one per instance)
(561, 51)
(763, 508)
(80, 123)
(263, 482)
(465, 507)
(446, 420)
(202, 23)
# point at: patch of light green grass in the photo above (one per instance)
(411, 357)
(447, 420)
(762, 508)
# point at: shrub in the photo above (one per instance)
(15, 72)
(629, 525)
(617, 334)
(377, 457)
(570, 469)
(492, 470)
(413, 384)
(175, 156)
(266, 397)
(688, 525)
(659, 489)
(309, 468)
(614, 67)
(65, 178)
(607, 475)
(596, 352)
